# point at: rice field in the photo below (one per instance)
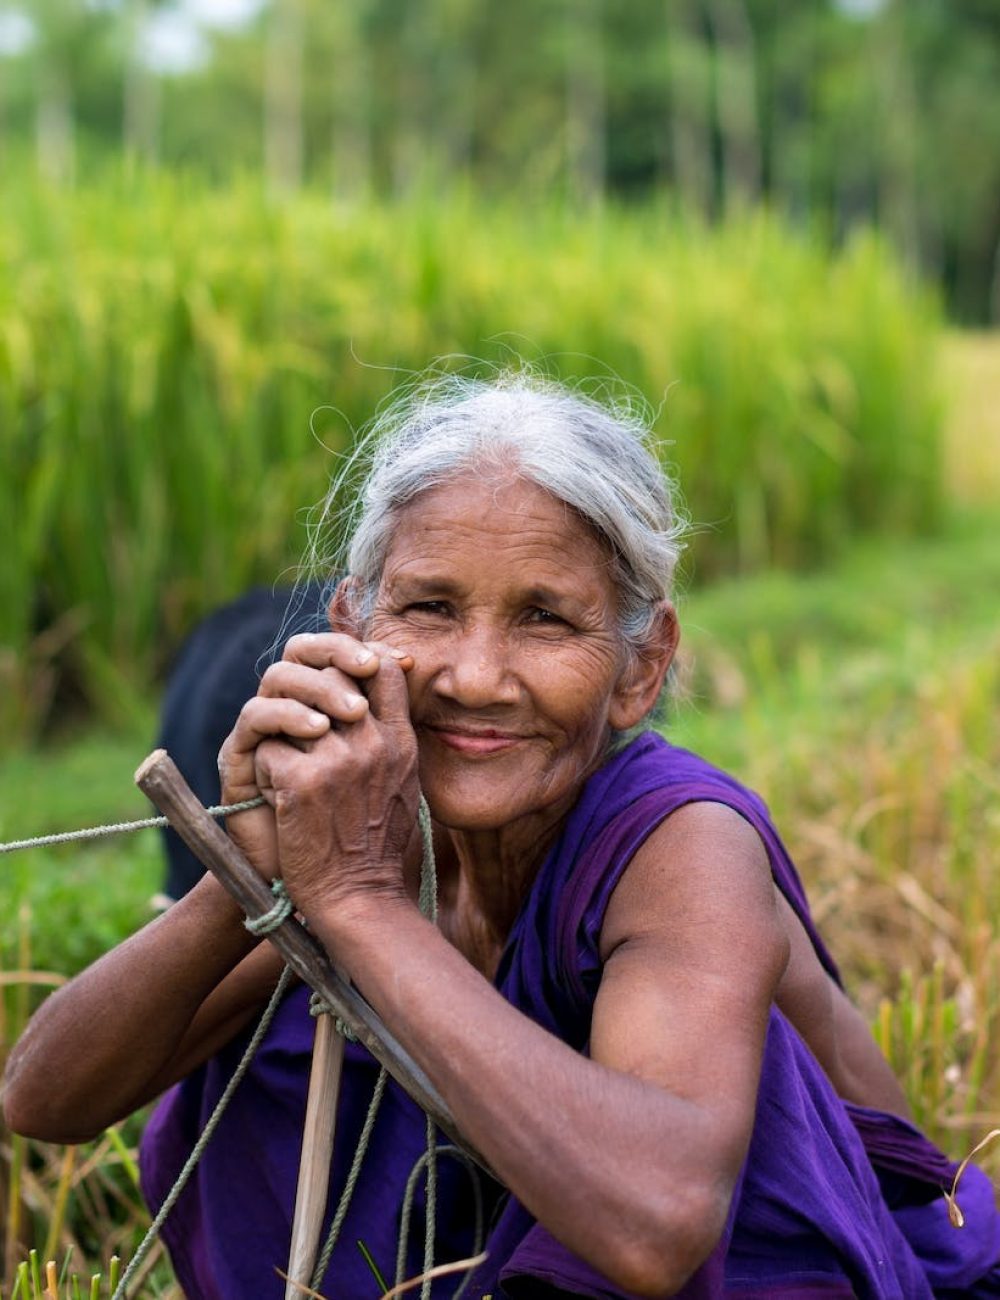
(180, 367)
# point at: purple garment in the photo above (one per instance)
(833, 1200)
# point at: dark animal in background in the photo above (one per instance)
(216, 671)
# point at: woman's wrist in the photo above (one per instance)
(353, 924)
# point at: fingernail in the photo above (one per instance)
(363, 657)
(400, 654)
(317, 719)
(351, 700)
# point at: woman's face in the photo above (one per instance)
(504, 598)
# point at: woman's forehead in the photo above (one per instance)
(492, 508)
(510, 522)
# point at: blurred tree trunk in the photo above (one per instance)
(351, 135)
(897, 175)
(586, 114)
(284, 57)
(409, 115)
(141, 100)
(55, 145)
(433, 118)
(690, 73)
(734, 59)
(795, 69)
(457, 34)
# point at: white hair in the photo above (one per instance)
(597, 457)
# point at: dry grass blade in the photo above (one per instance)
(61, 1201)
(955, 1215)
(440, 1270)
(299, 1286)
(45, 978)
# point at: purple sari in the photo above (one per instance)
(833, 1200)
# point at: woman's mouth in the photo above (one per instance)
(484, 741)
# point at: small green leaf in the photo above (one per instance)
(383, 1284)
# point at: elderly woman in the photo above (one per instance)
(624, 1003)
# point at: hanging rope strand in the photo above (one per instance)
(120, 828)
(121, 1291)
(429, 906)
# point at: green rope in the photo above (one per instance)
(277, 915)
(263, 1025)
(407, 1211)
(428, 1161)
(427, 899)
(429, 906)
(120, 828)
(479, 1226)
(354, 1173)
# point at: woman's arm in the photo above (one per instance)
(629, 1157)
(832, 1027)
(140, 1017)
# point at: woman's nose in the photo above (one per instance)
(476, 672)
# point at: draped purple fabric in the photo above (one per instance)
(833, 1201)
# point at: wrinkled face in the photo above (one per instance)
(503, 596)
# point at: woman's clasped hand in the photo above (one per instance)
(332, 717)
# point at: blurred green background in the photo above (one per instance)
(839, 113)
(228, 228)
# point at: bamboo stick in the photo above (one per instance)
(317, 1151)
(159, 778)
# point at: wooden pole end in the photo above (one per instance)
(149, 764)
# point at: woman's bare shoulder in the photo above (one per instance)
(704, 861)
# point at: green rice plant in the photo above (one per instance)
(66, 1283)
(79, 1202)
(177, 365)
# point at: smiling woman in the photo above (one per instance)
(625, 1005)
(503, 598)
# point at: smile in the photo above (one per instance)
(485, 742)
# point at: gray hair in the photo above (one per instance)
(597, 457)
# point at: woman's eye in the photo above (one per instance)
(427, 607)
(545, 616)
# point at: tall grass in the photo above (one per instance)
(176, 366)
(80, 1204)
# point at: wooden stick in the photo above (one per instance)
(159, 778)
(317, 1152)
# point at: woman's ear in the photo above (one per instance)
(641, 682)
(343, 608)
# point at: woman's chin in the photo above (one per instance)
(464, 814)
(478, 806)
(490, 794)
